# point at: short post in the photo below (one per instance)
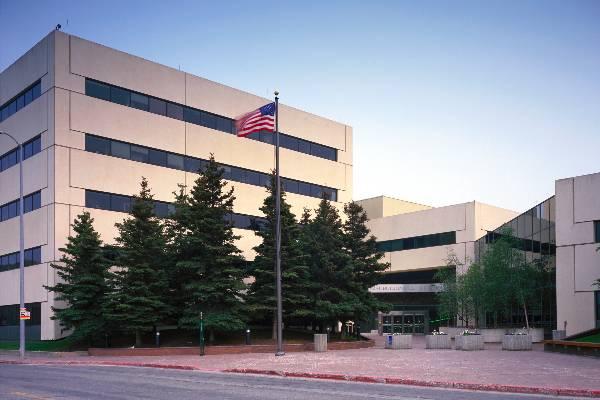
(201, 334)
(328, 330)
(248, 337)
(157, 339)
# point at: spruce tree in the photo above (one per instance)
(210, 267)
(295, 277)
(139, 300)
(365, 259)
(83, 273)
(330, 266)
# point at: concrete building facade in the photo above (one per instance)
(97, 120)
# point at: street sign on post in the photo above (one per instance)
(24, 314)
(201, 334)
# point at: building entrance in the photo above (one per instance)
(410, 322)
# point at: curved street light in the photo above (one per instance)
(21, 248)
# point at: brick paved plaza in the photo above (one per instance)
(491, 366)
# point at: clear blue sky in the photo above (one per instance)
(450, 101)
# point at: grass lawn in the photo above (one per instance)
(595, 338)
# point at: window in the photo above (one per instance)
(120, 149)
(120, 203)
(225, 125)
(157, 157)
(139, 153)
(20, 100)
(303, 146)
(208, 120)
(120, 96)
(192, 164)
(97, 89)
(30, 202)
(417, 242)
(139, 101)
(597, 298)
(96, 144)
(97, 200)
(597, 231)
(175, 161)
(192, 116)
(157, 106)
(174, 111)
(267, 137)
(289, 185)
(288, 142)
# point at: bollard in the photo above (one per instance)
(157, 339)
(247, 337)
(320, 342)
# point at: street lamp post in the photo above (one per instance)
(21, 248)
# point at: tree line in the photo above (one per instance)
(166, 271)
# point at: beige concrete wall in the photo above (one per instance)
(577, 261)
(383, 206)
(470, 221)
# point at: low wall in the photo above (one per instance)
(569, 347)
(495, 335)
(214, 350)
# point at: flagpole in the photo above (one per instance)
(280, 351)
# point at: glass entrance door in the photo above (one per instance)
(404, 322)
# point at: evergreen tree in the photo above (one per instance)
(295, 277)
(83, 274)
(138, 302)
(330, 266)
(365, 259)
(210, 269)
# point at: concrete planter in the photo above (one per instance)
(398, 342)
(516, 342)
(320, 342)
(537, 334)
(452, 332)
(492, 335)
(438, 342)
(469, 342)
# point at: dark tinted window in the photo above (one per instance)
(303, 146)
(288, 142)
(12, 209)
(96, 89)
(192, 164)
(120, 149)
(253, 178)
(208, 120)
(120, 203)
(28, 203)
(175, 161)
(20, 102)
(304, 188)
(597, 231)
(139, 153)
(97, 200)
(157, 157)
(97, 145)
(120, 96)
(192, 116)
(157, 106)
(238, 174)
(139, 101)
(36, 201)
(29, 97)
(174, 111)
(36, 90)
(267, 137)
(418, 242)
(225, 125)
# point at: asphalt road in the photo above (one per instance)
(41, 382)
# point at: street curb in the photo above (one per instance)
(337, 377)
(423, 383)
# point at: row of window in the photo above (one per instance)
(120, 203)
(21, 100)
(525, 244)
(417, 242)
(30, 148)
(162, 158)
(30, 202)
(10, 261)
(597, 231)
(169, 109)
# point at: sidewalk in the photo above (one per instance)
(530, 371)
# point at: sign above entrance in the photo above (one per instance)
(407, 288)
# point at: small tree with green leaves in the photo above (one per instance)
(209, 268)
(295, 276)
(82, 284)
(140, 291)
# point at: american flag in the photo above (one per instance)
(262, 119)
